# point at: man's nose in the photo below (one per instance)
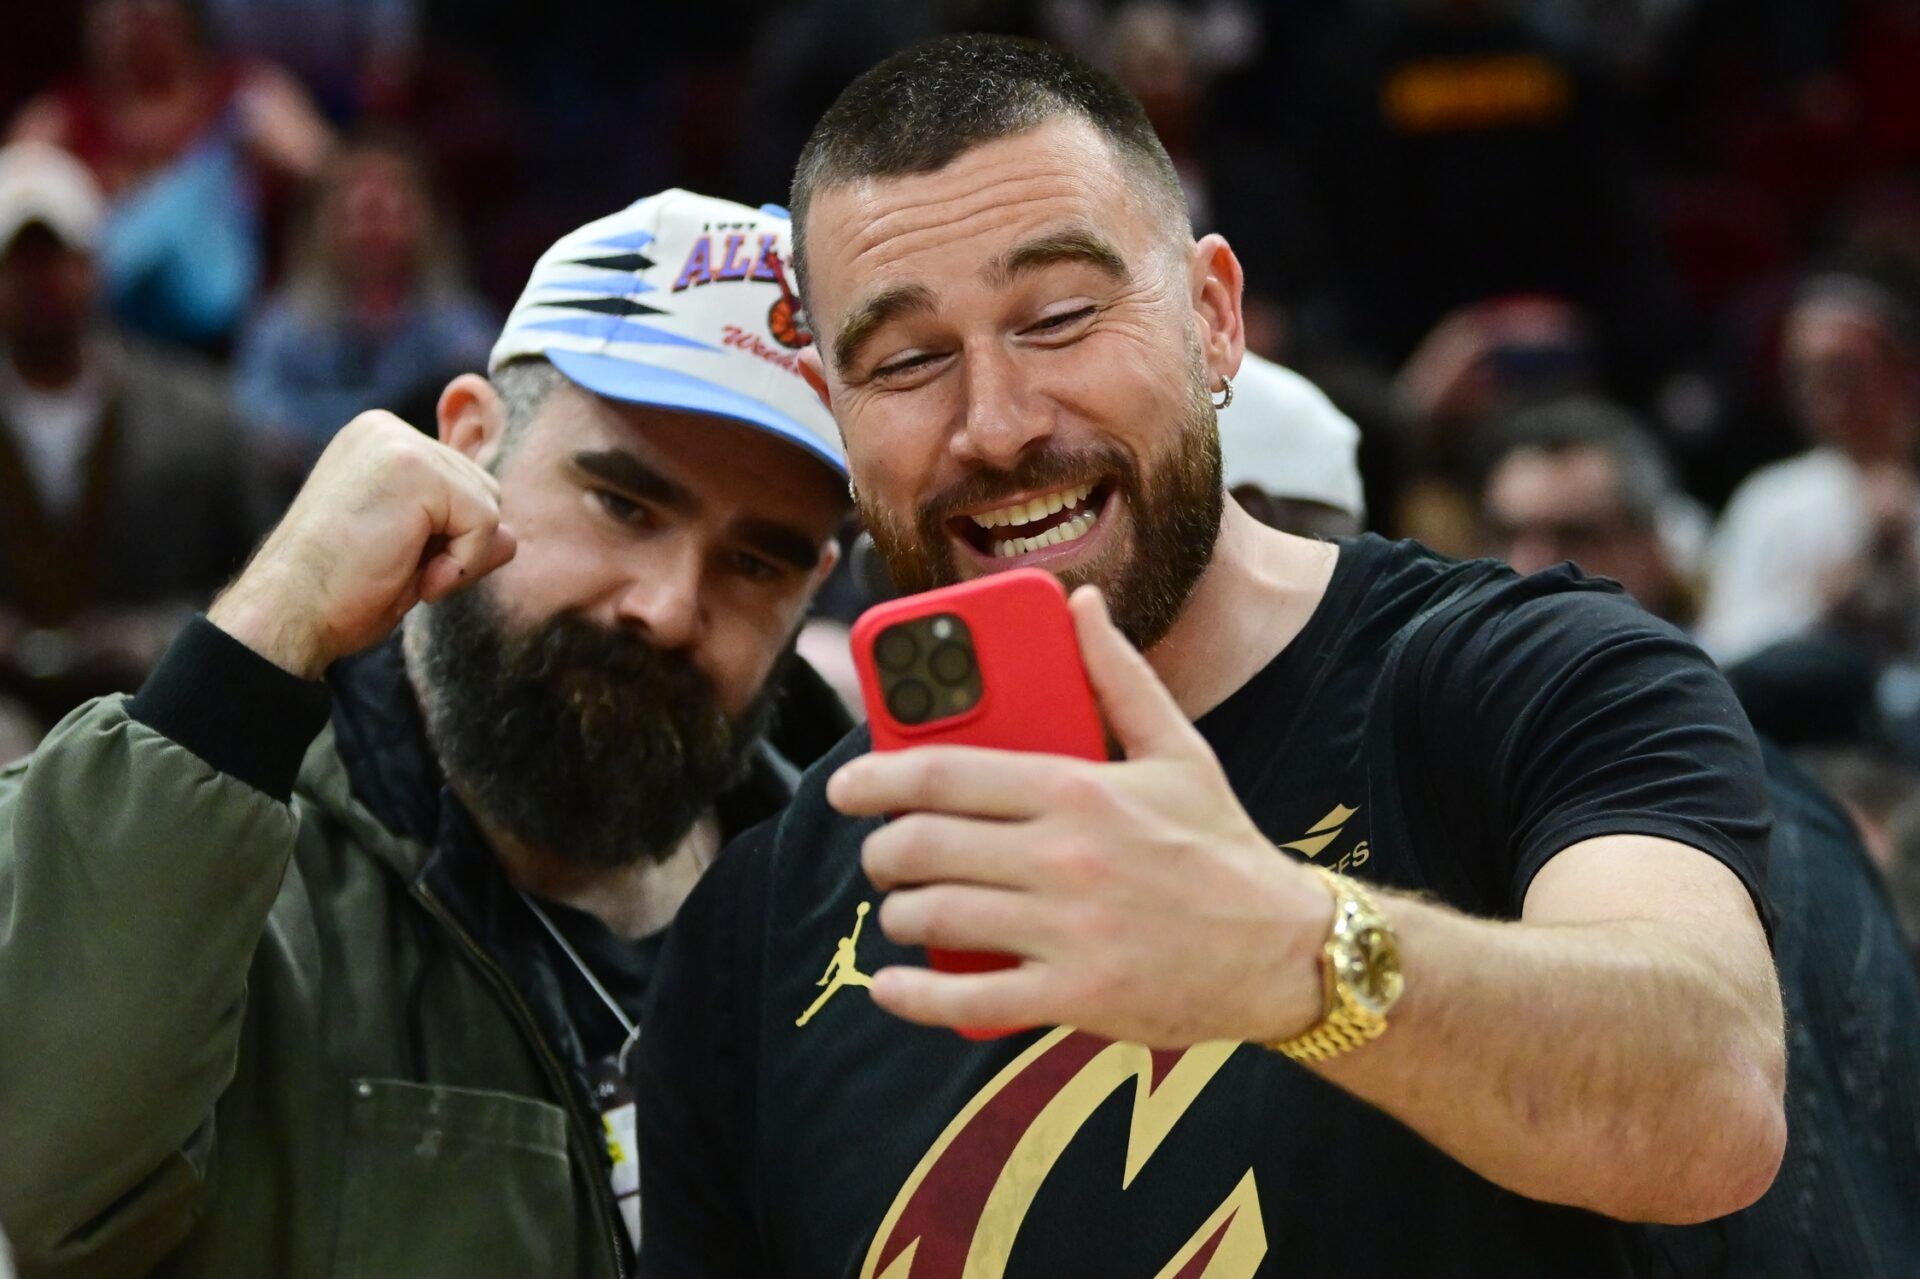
(663, 598)
(1000, 421)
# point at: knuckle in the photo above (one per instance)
(1076, 789)
(378, 424)
(931, 772)
(1080, 861)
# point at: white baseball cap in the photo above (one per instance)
(685, 302)
(1284, 435)
(41, 183)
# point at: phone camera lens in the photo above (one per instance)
(951, 664)
(895, 650)
(910, 701)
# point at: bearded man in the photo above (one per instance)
(1416, 929)
(304, 978)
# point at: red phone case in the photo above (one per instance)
(1034, 694)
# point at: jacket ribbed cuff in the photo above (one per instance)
(232, 707)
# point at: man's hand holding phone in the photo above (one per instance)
(1140, 899)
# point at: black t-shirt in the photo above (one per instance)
(1525, 716)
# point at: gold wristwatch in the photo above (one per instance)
(1361, 967)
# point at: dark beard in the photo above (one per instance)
(1176, 503)
(582, 741)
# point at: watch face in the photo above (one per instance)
(1372, 970)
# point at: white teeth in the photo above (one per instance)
(1038, 508)
(1071, 531)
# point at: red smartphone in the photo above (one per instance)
(992, 662)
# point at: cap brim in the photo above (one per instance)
(664, 388)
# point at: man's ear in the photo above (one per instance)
(1215, 283)
(473, 418)
(829, 556)
(815, 372)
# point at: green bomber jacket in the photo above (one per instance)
(245, 1028)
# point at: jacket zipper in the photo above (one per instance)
(556, 1073)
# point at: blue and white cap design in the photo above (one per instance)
(681, 301)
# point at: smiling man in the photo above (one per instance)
(1414, 931)
(372, 1011)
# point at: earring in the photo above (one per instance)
(853, 494)
(1226, 386)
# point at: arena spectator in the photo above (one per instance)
(126, 495)
(1903, 871)
(1583, 480)
(1479, 363)
(375, 312)
(350, 52)
(192, 148)
(1832, 535)
(1455, 155)
(1159, 51)
(1288, 456)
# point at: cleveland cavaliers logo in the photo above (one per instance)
(957, 1216)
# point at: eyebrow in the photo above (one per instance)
(1069, 246)
(867, 319)
(627, 472)
(778, 541)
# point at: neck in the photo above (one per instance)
(634, 901)
(1257, 593)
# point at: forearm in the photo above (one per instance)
(1613, 1066)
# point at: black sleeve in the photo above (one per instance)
(1584, 716)
(232, 707)
(694, 1079)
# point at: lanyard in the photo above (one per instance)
(613, 1005)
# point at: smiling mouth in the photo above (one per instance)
(1050, 519)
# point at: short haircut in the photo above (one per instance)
(1643, 476)
(922, 108)
(524, 386)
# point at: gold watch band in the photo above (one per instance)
(1341, 1030)
(1346, 1024)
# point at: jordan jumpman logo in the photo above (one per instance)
(843, 969)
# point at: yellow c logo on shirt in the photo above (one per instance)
(959, 1212)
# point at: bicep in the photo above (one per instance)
(1624, 878)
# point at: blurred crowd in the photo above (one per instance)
(1634, 283)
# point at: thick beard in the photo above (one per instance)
(1176, 502)
(584, 742)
